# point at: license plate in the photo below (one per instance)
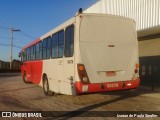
(111, 73)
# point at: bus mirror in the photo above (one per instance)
(20, 54)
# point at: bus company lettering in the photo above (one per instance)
(112, 85)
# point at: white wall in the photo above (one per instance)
(146, 13)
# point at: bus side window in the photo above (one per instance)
(44, 48)
(25, 55)
(60, 43)
(37, 51)
(28, 54)
(48, 47)
(33, 52)
(55, 45)
(40, 50)
(69, 41)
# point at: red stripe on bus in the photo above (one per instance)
(107, 86)
(33, 42)
(33, 70)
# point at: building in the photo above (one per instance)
(1, 64)
(16, 64)
(146, 14)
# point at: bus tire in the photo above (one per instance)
(47, 92)
(25, 78)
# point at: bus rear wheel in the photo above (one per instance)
(47, 92)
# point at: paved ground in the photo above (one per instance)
(18, 96)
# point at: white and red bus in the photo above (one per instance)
(86, 54)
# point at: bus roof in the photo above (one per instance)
(60, 27)
(69, 22)
(31, 43)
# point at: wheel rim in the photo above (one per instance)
(25, 78)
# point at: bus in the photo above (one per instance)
(89, 53)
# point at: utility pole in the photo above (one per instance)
(11, 43)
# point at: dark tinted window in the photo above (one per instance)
(60, 43)
(32, 52)
(31, 48)
(37, 51)
(44, 48)
(28, 54)
(48, 47)
(40, 50)
(69, 41)
(24, 55)
(55, 45)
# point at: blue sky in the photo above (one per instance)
(33, 18)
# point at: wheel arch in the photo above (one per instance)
(49, 92)
(43, 76)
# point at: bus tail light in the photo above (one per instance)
(136, 71)
(136, 68)
(82, 73)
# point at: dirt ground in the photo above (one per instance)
(18, 96)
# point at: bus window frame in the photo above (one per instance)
(44, 50)
(32, 51)
(29, 54)
(61, 44)
(54, 46)
(49, 39)
(40, 50)
(24, 54)
(69, 27)
(37, 51)
(57, 44)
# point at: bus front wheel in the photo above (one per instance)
(25, 78)
(47, 92)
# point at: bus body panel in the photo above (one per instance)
(33, 71)
(69, 76)
(113, 49)
(62, 71)
(55, 76)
